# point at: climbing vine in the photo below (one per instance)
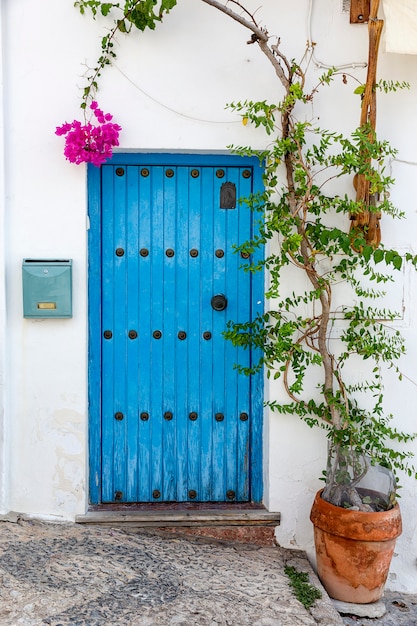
(143, 14)
(93, 140)
(139, 14)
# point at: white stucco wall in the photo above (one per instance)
(167, 89)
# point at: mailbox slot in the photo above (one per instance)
(47, 288)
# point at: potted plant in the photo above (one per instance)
(320, 239)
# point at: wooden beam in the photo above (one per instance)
(359, 11)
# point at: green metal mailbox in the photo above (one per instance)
(47, 288)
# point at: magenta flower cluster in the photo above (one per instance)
(90, 143)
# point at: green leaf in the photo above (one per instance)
(167, 5)
(397, 262)
(106, 8)
(121, 25)
(378, 255)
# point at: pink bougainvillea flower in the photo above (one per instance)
(90, 143)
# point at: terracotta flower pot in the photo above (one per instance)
(354, 550)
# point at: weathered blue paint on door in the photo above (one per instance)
(174, 421)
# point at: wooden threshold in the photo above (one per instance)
(181, 517)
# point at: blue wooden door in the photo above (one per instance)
(178, 422)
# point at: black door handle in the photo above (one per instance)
(219, 302)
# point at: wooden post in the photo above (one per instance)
(368, 221)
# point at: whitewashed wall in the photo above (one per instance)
(167, 90)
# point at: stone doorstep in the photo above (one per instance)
(255, 527)
(261, 536)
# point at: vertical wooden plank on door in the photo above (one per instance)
(157, 317)
(170, 417)
(145, 340)
(244, 413)
(132, 329)
(94, 334)
(195, 414)
(107, 336)
(120, 334)
(206, 365)
(235, 305)
(257, 381)
(184, 291)
(219, 322)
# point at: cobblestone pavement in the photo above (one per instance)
(72, 575)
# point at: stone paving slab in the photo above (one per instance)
(70, 575)
(401, 610)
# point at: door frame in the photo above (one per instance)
(94, 308)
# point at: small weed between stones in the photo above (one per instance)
(304, 592)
